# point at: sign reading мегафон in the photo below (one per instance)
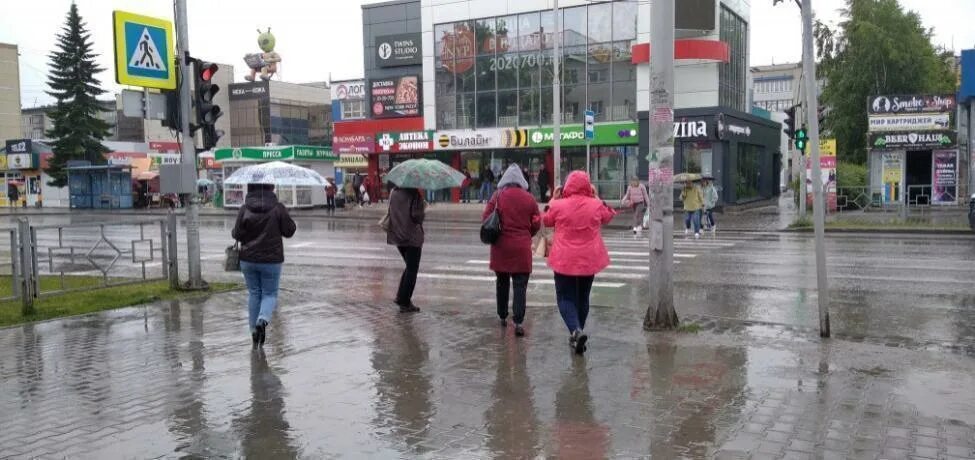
(399, 49)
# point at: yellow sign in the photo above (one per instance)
(827, 148)
(351, 160)
(3, 162)
(144, 51)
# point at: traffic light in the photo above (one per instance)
(790, 121)
(801, 139)
(207, 112)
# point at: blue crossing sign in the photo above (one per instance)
(590, 122)
(143, 51)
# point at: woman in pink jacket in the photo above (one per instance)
(578, 252)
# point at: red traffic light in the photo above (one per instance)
(207, 70)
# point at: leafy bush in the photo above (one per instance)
(851, 175)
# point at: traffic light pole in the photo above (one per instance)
(188, 147)
(556, 99)
(819, 209)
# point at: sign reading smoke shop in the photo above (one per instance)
(913, 140)
(399, 49)
(882, 105)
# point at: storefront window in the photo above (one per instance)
(529, 70)
(600, 23)
(528, 32)
(546, 37)
(697, 157)
(528, 103)
(484, 36)
(574, 26)
(506, 34)
(748, 182)
(546, 96)
(465, 111)
(624, 21)
(440, 34)
(487, 109)
(574, 65)
(447, 112)
(624, 101)
(599, 100)
(508, 108)
(486, 66)
(464, 69)
(573, 103)
(506, 67)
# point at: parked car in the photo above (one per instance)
(971, 212)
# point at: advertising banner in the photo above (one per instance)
(253, 90)
(399, 49)
(21, 161)
(411, 141)
(911, 103)
(575, 135)
(348, 90)
(913, 140)
(395, 97)
(945, 177)
(932, 121)
(353, 143)
(283, 153)
(19, 146)
(827, 168)
(465, 139)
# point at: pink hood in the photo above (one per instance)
(577, 244)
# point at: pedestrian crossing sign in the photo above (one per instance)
(143, 51)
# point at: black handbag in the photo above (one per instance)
(232, 262)
(491, 227)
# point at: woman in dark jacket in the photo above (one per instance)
(406, 212)
(261, 223)
(511, 255)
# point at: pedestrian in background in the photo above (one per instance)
(406, 213)
(693, 200)
(465, 187)
(13, 195)
(261, 224)
(487, 184)
(330, 190)
(578, 252)
(511, 255)
(637, 199)
(710, 201)
(544, 182)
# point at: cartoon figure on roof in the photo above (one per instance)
(266, 62)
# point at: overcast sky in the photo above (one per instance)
(318, 39)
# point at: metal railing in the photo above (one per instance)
(48, 260)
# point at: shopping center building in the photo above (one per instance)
(470, 83)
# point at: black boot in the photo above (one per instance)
(261, 332)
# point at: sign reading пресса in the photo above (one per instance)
(399, 50)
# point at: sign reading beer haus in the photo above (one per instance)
(913, 140)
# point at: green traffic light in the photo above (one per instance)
(801, 138)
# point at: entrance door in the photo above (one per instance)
(918, 177)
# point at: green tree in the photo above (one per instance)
(77, 131)
(878, 48)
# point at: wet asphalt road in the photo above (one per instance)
(346, 376)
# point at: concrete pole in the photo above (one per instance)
(556, 97)
(661, 313)
(188, 148)
(819, 209)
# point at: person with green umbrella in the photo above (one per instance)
(406, 214)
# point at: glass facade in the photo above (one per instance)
(256, 122)
(733, 74)
(497, 71)
(749, 172)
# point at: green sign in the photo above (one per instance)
(276, 153)
(575, 135)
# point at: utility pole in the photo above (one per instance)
(188, 147)
(661, 313)
(556, 98)
(819, 209)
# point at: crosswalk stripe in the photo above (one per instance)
(641, 254)
(444, 276)
(613, 266)
(605, 274)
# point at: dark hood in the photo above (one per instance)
(260, 201)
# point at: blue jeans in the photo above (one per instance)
(262, 284)
(572, 294)
(709, 217)
(695, 217)
(486, 189)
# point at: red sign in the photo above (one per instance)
(458, 50)
(353, 143)
(164, 147)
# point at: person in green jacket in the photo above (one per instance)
(693, 200)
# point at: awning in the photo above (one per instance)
(147, 175)
(351, 161)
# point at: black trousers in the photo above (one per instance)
(407, 282)
(521, 292)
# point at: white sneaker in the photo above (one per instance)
(697, 236)
(687, 231)
(714, 228)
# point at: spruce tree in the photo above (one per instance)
(77, 131)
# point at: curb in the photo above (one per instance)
(899, 231)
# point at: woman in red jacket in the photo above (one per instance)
(578, 252)
(511, 255)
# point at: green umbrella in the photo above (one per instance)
(687, 177)
(425, 174)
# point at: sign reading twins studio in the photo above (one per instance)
(399, 50)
